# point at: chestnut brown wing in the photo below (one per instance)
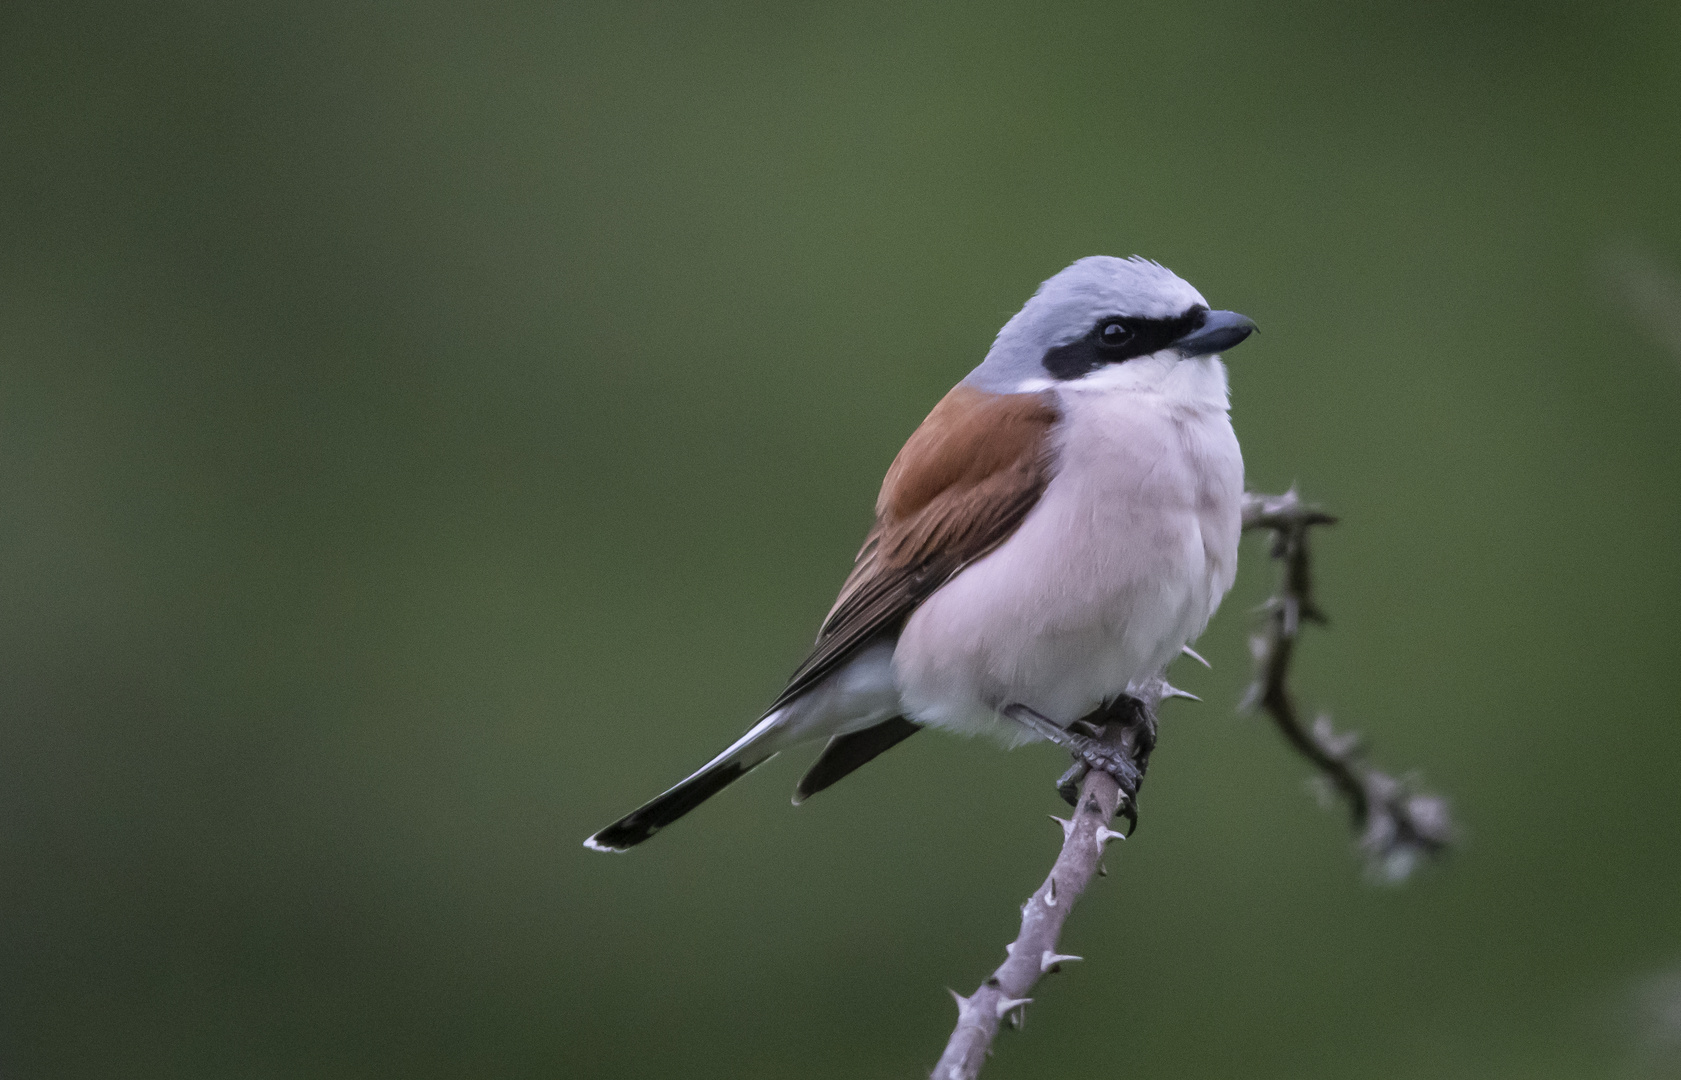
(962, 484)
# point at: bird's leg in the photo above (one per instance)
(1089, 752)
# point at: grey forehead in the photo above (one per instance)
(1067, 305)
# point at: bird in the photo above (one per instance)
(1061, 526)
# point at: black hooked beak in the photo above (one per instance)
(1220, 330)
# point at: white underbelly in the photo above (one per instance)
(1122, 562)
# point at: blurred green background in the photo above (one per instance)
(427, 431)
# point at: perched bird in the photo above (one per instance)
(1059, 528)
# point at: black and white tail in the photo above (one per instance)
(747, 753)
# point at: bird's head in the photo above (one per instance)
(1108, 323)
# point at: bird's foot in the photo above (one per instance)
(1127, 778)
(1095, 754)
(1084, 740)
(1069, 786)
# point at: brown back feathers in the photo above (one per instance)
(961, 485)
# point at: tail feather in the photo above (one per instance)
(657, 813)
(851, 751)
(747, 753)
(861, 692)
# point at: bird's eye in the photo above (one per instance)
(1113, 334)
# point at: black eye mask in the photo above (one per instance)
(1114, 339)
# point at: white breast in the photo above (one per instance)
(1122, 562)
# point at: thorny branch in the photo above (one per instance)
(1397, 825)
(1130, 728)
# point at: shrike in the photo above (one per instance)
(1059, 528)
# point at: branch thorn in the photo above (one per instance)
(1171, 691)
